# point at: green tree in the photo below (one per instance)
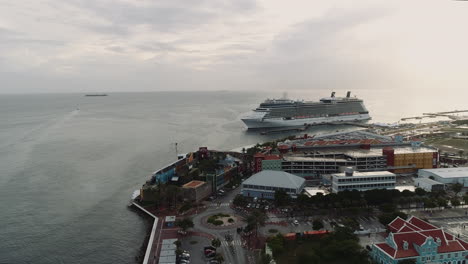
(216, 243)
(276, 244)
(465, 198)
(184, 223)
(420, 192)
(441, 202)
(386, 218)
(457, 187)
(429, 203)
(309, 257)
(265, 258)
(255, 220)
(317, 224)
(240, 200)
(281, 198)
(178, 243)
(455, 202)
(219, 258)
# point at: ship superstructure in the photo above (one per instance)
(290, 113)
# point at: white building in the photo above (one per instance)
(362, 181)
(447, 175)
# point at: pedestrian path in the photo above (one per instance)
(219, 205)
(236, 242)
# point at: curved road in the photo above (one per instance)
(233, 252)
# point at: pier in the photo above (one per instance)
(305, 127)
(149, 255)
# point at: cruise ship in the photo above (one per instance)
(275, 113)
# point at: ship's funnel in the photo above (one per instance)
(333, 94)
(348, 94)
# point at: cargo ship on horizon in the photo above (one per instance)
(275, 113)
(98, 94)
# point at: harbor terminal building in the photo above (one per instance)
(313, 157)
(446, 175)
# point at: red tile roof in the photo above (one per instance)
(386, 248)
(272, 157)
(193, 184)
(420, 223)
(415, 231)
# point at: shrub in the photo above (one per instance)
(218, 222)
(230, 220)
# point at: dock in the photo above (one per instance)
(305, 127)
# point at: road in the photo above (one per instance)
(233, 251)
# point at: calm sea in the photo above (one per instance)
(69, 163)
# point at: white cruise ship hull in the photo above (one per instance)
(256, 120)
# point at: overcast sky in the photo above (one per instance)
(142, 45)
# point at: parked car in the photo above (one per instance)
(296, 222)
(249, 205)
(267, 207)
(209, 248)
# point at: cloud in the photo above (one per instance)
(245, 44)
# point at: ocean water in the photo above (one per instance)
(69, 163)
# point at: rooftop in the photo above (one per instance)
(358, 152)
(193, 184)
(170, 218)
(365, 174)
(427, 181)
(275, 179)
(460, 172)
(416, 232)
(299, 159)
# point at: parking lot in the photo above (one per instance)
(194, 245)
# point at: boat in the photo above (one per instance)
(276, 113)
(101, 94)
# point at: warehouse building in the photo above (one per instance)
(429, 185)
(265, 183)
(362, 181)
(447, 175)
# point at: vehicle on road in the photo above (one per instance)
(296, 222)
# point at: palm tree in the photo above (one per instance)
(216, 243)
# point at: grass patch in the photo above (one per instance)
(215, 221)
